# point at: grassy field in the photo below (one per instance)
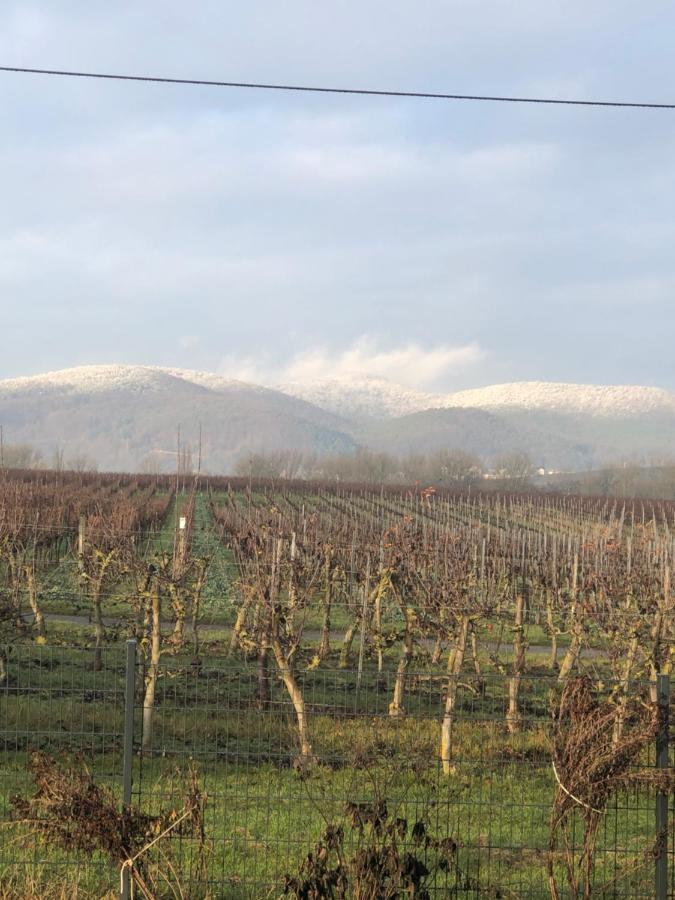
(262, 816)
(267, 807)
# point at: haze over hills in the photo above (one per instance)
(560, 425)
(125, 417)
(475, 431)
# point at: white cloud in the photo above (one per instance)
(410, 364)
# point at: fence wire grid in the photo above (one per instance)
(375, 788)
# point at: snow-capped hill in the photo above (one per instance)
(354, 396)
(612, 401)
(359, 397)
(87, 380)
(125, 417)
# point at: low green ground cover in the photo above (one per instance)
(262, 814)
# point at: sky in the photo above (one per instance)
(280, 237)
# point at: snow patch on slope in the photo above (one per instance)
(358, 396)
(589, 399)
(361, 396)
(89, 380)
(378, 398)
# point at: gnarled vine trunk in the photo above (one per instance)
(455, 663)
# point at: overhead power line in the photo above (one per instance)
(313, 89)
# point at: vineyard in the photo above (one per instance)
(332, 691)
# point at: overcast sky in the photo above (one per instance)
(275, 236)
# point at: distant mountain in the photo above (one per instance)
(475, 431)
(560, 425)
(378, 398)
(609, 401)
(606, 422)
(362, 397)
(126, 417)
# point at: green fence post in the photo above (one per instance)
(128, 746)
(662, 699)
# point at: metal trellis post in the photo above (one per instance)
(128, 751)
(662, 699)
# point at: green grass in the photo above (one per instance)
(60, 593)
(262, 816)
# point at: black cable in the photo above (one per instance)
(338, 90)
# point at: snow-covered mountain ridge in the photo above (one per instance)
(591, 399)
(124, 417)
(361, 397)
(87, 380)
(378, 398)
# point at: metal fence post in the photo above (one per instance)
(128, 746)
(662, 699)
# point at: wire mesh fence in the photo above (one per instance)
(52, 701)
(375, 804)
